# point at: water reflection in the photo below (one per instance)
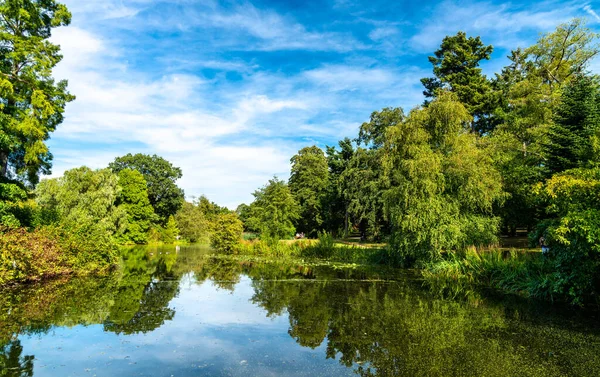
(12, 361)
(334, 321)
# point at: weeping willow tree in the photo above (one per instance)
(440, 184)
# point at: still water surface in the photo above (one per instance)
(191, 313)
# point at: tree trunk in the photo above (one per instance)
(3, 164)
(346, 223)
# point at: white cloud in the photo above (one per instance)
(499, 24)
(381, 33)
(349, 78)
(105, 9)
(591, 12)
(168, 116)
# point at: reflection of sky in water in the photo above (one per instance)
(214, 332)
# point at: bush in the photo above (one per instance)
(227, 232)
(52, 250)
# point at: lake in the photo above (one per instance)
(189, 312)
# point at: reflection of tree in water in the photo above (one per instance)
(397, 329)
(223, 272)
(144, 292)
(12, 364)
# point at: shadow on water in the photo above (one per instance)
(368, 321)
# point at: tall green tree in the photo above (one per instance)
(85, 202)
(337, 215)
(274, 211)
(32, 102)
(576, 122)
(361, 180)
(192, 223)
(308, 183)
(456, 68)
(440, 186)
(161, 177)
(133, 198)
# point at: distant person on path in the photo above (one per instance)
(545, 247)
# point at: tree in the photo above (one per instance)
(456, 68)
(372, 133)
(85, 198)
(227, 232)
(308, 183)
(32, 104)
(576, 122)
(160, 175)
(440, 186)
(572, 229)
(360, 182)
(531, 88)
(210, 209)
(337, 215)
(170, 232)
(83, 203)
(192, 223)
(134, 200)
(274, 211)
(14, 212)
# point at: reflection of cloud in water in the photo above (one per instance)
(214, 332)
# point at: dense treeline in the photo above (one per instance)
(481, 157)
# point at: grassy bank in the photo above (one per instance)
(325, 248)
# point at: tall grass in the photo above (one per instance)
(514, 272)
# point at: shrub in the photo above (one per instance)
(52, 250)
(227, 232)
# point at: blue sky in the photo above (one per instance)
(230, 90)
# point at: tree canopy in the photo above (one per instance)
(309, 181)
(160, 175)
(133, 198)
(33, 103)
(274, 211)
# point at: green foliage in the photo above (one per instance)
(210, 209)
(576, 123)
(309, 181)
(170, 232)
(32, 102)
(15, 209)
(512, 272)
(160, 175)
(133, 199)
(274, 211)
(440, 185)
(192, 223)
(227, 232)
(360, 184)
(85, 201)
(456, 68)
(336, 207)
(573, 232)
(52, 251)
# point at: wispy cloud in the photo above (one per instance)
(591, 12)
(503, 25)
